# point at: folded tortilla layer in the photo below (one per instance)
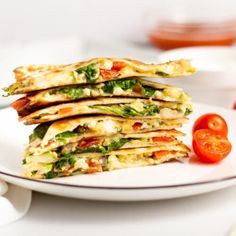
(132, 87)
(47, 136)
(38, 77)
(82, 140)
(124, 107)
(55, 164)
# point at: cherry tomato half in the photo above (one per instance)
(234, 106)
(209, 146)
(213, 122)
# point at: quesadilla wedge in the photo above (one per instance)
(132, 87)
(85, 141)
(49, 136)
(55, 164)
(124, 107)
(37, 77)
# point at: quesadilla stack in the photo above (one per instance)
(100, 115)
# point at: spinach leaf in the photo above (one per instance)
(112, 109)
(130, 111)
(123, 84)
(148, 110)
(127, 111)
(151, 110)
(72, 92)
(65, 159)
(39, 132)
(62, 137)
(162, 74)
(188, 111)
(97, 148)
(91, 72)
(148, 91)
(51, 174)
(114, 145)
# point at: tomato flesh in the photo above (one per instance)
(138, 88)
(20, 103)
(160, 154)
(209, 146)
(163, 139)
(213, 122)
(114, 71)
(65, 110)
(118, 65)
(88, 142)
(137, 126)
(108, 74)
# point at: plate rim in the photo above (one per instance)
(171, 186)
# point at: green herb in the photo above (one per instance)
(97, 148)
(128, 84)
(23, 161)
(62, 137)
(130, 111)
(76, 170)
(34, 172)
(188, 111)
(127, 111)
(162, 74)
(151, 110)
(148, 91)
(72, 92)
(112, 109)
(91, 72)
(11, 89)
(123, 84)
(148, 110)
(39, 132)
(51, 174)
(114, 145)
(66, 159)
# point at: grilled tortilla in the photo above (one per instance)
(48, 135)
(124, 107)
(132, 87)
(37, 77)
(55, 163)
(82, 140)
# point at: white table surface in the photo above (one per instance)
(208, 214)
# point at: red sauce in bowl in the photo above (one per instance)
(168, 35)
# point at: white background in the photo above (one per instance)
(120, 19)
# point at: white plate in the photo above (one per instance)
(169, 180)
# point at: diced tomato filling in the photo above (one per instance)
(64, 110)
(108, 74)
(114, 71)
(137, 126)
(118, 65)
(68, 170)
(88, 142)
(138, 88)
(94, 167)
(163, 139)
(20, 103)
(160, 154)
